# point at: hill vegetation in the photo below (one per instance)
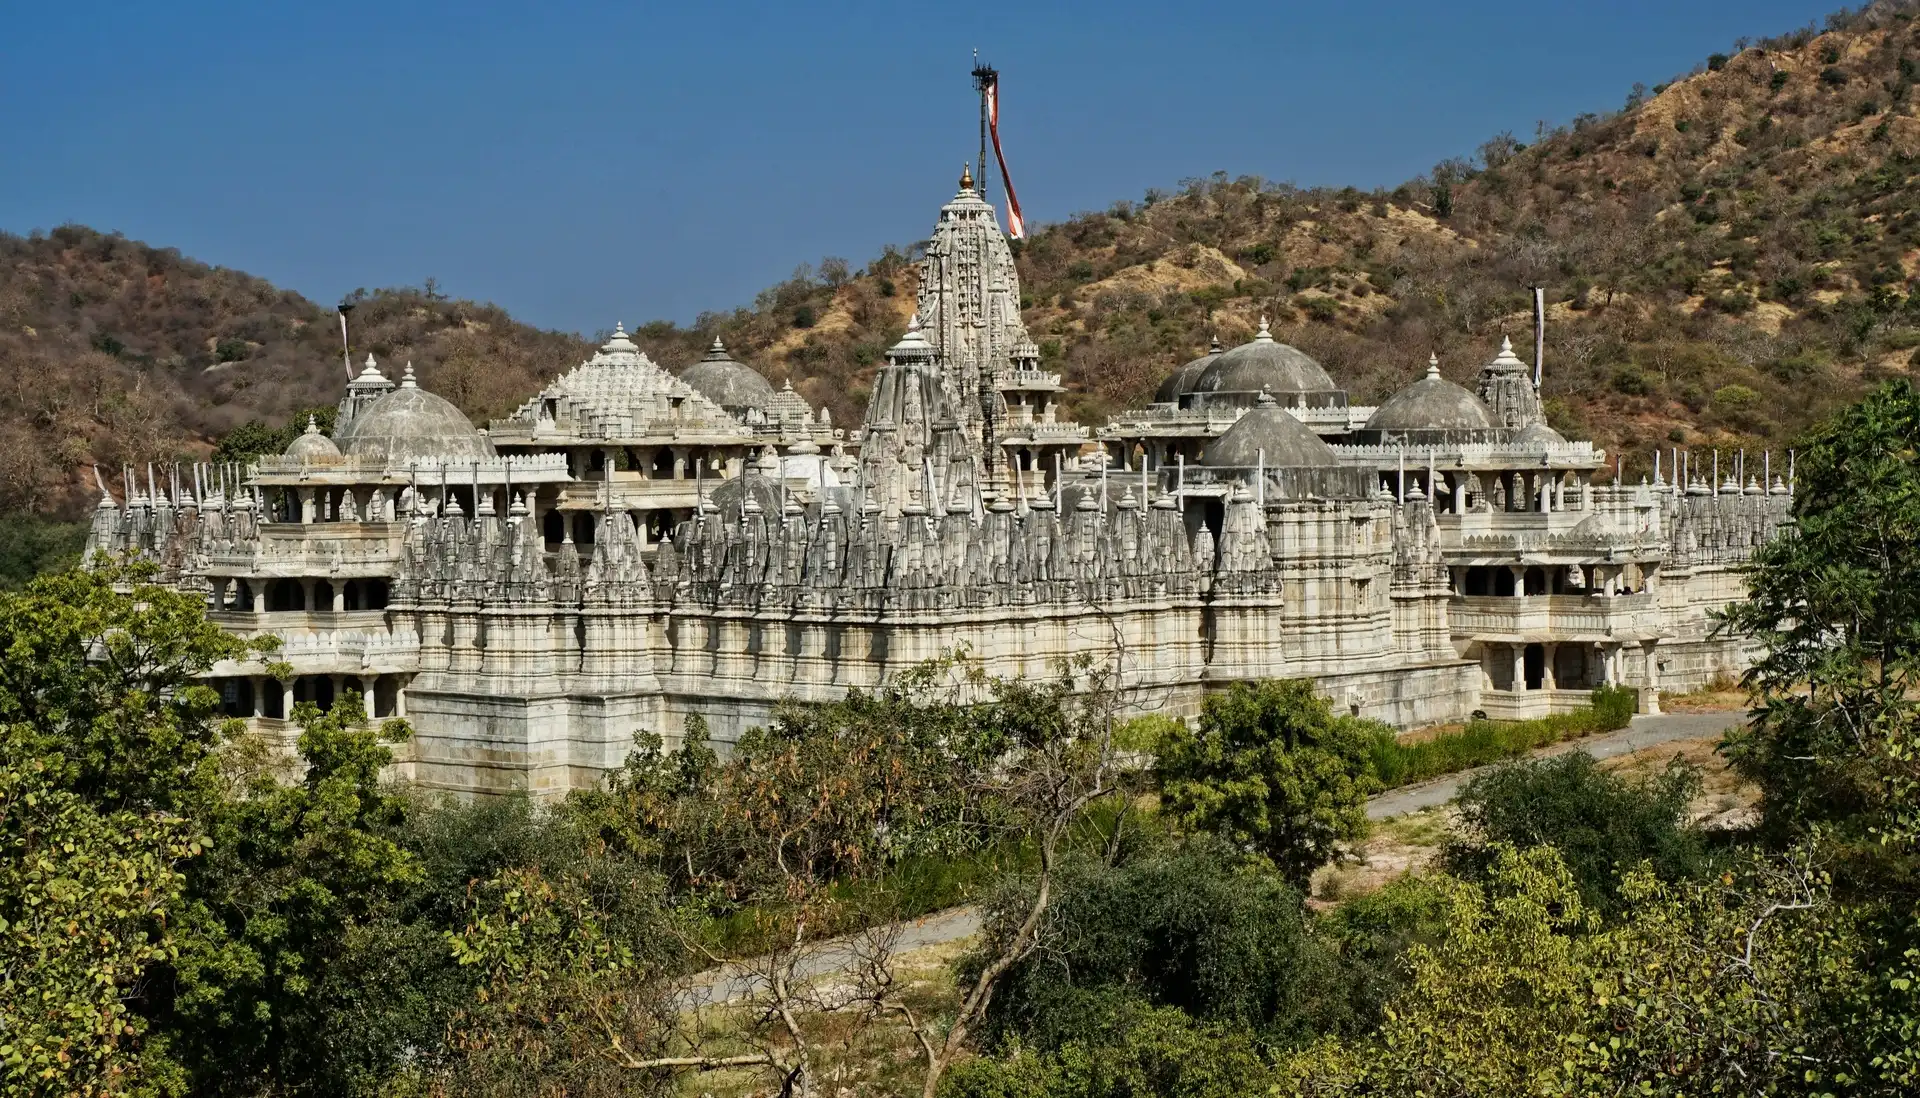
(1728, 256)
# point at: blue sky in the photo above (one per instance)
(581, 163)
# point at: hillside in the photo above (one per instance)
(112, 351)
(1727, 257)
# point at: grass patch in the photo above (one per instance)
(1482, 742)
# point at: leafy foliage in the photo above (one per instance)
(1272, 770)
(1602, 824)
(1182, 928)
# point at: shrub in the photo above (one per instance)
(1137, 1050)
(1188, 928)
(1603, 824)
(1735, 397)
(1272, 770)
(1832, 77)
(1483, 741)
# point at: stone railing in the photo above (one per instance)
(1475, 455)
(517, 468)
(1554, 617)
(313, 549)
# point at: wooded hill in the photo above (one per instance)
(1728, 256)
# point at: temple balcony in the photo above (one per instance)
(1595, 618)
(311, 548)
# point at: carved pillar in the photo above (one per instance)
(306, 595)
(1519, 579)
(1519, 666)
(1548, 678)
(259, 685)
(339, 596)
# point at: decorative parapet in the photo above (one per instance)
(1565, 455)
(501, 469)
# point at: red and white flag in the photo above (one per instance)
(1016, 227)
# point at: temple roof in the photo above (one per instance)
(313, 447)
(1432, 404)
(1180, 382)
(618, 393)
(410, 423)
(1263, 364)
(731, 384)
(1269, 436)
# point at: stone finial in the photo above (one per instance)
(1433, 367)
(966, 176)
(619, 343)
(1214, 347)
(406, 379)
(1263, 335)
(313, 425)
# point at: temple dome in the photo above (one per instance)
(1432, 404)
(731, 384)
(410, 423)
(1539, 434)
(312, 447)
(1269, 436)
(1263, 364)
(1180, 382)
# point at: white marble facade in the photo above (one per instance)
(630, 548)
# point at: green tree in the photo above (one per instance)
(83, 902)
(1603, 824)
(1273, 771)
(1183, 928)
(300, 873)
(1835, 740)
(1744, 983)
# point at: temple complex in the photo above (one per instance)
(633, 547)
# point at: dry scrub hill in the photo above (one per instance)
(1728, 257)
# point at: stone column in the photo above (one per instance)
(1606, 665)
(1586, 490)
(369, 699)
(1486, 667)
(307, 509)
(259, 685)
(286, 700)
(1519, 579)
(399, 696)
(1457, 579)
(1548, 678)
(1650, 694)
(1519, 667)
(306, 595)
(339, 595)
(1546, 493)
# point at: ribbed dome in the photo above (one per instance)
(1180, 382)
(1263, 365)
(411, 423)
(1269, 436)
(1432, 404)
(732, 385)
(312, 447)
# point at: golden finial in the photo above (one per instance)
(966, 177)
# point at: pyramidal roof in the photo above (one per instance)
(619, 392)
